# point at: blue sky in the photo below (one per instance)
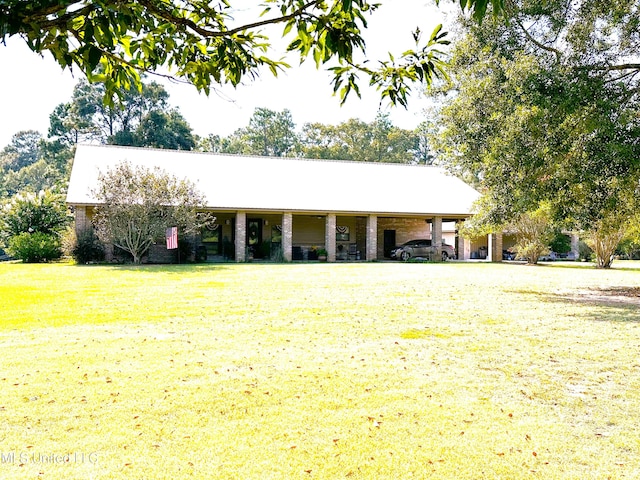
(31, 86)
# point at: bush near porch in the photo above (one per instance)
(320, 371)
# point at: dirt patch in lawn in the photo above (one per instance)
(608, 296)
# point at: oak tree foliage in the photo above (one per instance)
(356, 140)
(212, 43)
(543, 108)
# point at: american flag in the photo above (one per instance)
(172, 238)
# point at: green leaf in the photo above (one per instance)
(434, 34)
(94, 57)
(88, 31)
(480, 9)
(288, 28)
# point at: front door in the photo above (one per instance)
(389, 242)
(254, 236)
(212, 239)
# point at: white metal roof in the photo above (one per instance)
(231, 182)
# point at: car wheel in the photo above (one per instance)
(445, 256)
(405, 255)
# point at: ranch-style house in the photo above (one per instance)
(290, 208)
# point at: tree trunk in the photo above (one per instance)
(604, 246)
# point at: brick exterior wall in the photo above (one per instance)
(82, 219)
(158, 253)
(406, 229)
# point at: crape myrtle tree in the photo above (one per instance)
(629, 246)
(543, 108)
(534, 232)
(138, 204)
(114, 42)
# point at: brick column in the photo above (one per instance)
(330, 237)
(436, 231)
(372, 238)
(495, 247)
(490, 247)
(241, 237)
(498, 248)
(575, 245)
(287, 236)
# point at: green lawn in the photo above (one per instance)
(381, 370)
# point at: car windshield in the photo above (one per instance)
(411, 243)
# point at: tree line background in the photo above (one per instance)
(34, 162)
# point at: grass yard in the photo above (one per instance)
(320, 371)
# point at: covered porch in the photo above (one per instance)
(243, 236)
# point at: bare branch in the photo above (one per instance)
(61, 21)
(213, 34)
(538, 44)
(611, 68)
